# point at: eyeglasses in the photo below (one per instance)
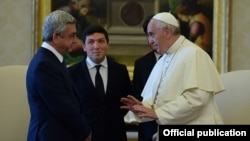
(71, 36)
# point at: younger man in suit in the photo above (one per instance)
(102, 109)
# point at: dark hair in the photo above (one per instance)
(94, 29)
(145, 23)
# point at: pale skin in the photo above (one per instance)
(68, 42)
(155, 38)
(64, 43)
(134, 105)
(152, 45)
(161, 40)
(96, 47)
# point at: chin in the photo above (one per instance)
(69, 50)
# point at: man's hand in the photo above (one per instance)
(134, 105)
(144, 112)
(89, 137)
(154, 138)
(129, 102)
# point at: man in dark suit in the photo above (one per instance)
(55, 106)
(102, 109)
(142, 70)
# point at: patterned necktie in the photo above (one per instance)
(99, 82)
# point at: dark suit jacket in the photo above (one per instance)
(103, 114)
(142, 69)
(56, 113)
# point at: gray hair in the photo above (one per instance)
(56, 22)
(162, 25)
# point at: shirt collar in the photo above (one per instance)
(53, 50)
(176, 45)
(157, 55)
(92, 64)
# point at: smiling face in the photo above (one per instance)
(96, 47)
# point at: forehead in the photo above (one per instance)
(70, 28)
(96, 35)
(151, 25)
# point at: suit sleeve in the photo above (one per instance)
(60, 100)
(137, 82)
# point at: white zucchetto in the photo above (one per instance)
(167, 17)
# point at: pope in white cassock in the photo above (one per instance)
(183, 83)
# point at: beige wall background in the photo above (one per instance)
(239, 48)
(17, 33)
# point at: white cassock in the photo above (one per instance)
(182, 85)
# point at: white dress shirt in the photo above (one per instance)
(103, 71)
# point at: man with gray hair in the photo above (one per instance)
(182, 84)
(55, 106)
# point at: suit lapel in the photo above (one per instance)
(60, 67)
(86, 75)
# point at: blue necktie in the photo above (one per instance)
(99, 82)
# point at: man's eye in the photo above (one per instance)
(72, 35)
(150, 34)
(101, 41)
(90, 42)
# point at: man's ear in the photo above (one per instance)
(83, 47)
(167, 32)
(55, 37)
